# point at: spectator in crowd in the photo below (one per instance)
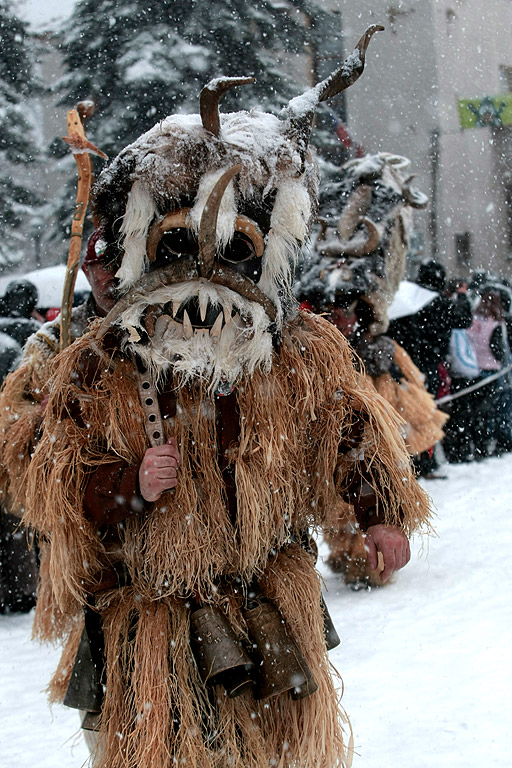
(18, 564)
(487, 333)
(16, 310)
(425, 336)
(502, 350)
(463, 371)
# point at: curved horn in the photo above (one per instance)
(397, 161)
(351, 69)
(208, 225)
(356, 207)
(357, 247)
(301, 110)
(238, 283)
(413, 196)
(210, 97)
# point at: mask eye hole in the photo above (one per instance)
(176, 244)
(240, 249)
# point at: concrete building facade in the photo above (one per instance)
(432, 54)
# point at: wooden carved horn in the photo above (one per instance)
(352, 216)
(301, 110)
(210, 97)
(356, 207)
(208, 225)
(413, 196)
(351, 69)
(357, 247)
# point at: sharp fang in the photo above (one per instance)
(175, 306)
(188, 331)
(166, 325)
(203, 306)
(161, 326)
(216, 328)
(134, 334)
(227, 316)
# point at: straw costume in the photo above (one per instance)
(204, 639)
(20, 405)
(356, 265)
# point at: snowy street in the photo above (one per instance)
(425, 661)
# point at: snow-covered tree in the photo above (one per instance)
(18, 146)
(141, 61)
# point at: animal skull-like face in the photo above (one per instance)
(207, 241)
(205, 214)
(364, 236)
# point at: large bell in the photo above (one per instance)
(332, 639)
(280, 665)
(220, 656)
(85, 689)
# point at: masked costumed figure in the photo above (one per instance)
(191, 440)
(22, 403)
(352, 274)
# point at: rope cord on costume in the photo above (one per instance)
(473, 387)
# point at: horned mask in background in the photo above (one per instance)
(203, 217)
(364, 235)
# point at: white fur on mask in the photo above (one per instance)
(289, 225)
(140, 212)
(243, 346)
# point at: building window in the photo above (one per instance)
(505, 79)
(463, 249)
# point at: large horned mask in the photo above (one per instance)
(204, 215)
(363, 236)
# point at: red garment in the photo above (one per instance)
(445, 381)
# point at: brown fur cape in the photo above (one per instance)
(289, 474)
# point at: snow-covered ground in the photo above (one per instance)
(425, 661)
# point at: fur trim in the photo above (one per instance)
(140, 211)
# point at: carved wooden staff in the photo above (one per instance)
(81, 148)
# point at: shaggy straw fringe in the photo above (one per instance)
(20, 410)
(157, 709)
(416, 406)
(51, 623)
(288, 476)
(59, 683)
(313, 727)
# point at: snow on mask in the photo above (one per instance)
(207, 213)
(365, 223)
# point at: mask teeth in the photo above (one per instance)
(188, 331)
(203, 307)
(216, 329)
(166, 322)
(227, 315)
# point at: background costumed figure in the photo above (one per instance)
(352, 273)
(192, 438)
